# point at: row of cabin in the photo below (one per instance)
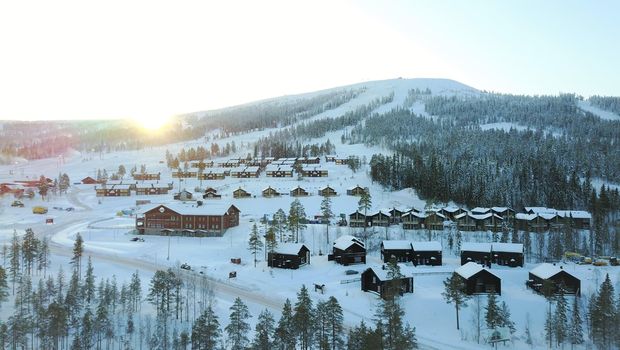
(504, 254)
(120, 189)
(277, 170)
(418, 253)
(295, 192)
(540, 219)
(245, 172)
(336, 159)
(478, 280)
(313, 171)
(179, 219)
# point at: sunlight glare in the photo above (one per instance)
(151, 122)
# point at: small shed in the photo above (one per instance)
(401, 250)
(327, 191)
(241, 193)
(376, 280)
(557, 276)
(476, 252)
(298, 192)
(427, 253)
(507, 254)
(348, 250)
(89, 181)
(478, 280)
(289, 256)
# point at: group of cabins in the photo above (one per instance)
(505, 254)
(418, 253)
(120, 188)
(187, 220)
(478, 219)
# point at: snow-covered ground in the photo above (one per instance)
(107, 235)
(587, 106)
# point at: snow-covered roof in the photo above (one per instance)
(459, 216)
(344, 242)
(432, 246)
(416, 214)
(539, 210)
(252, 169)
(120, 187)
(289, 248)
(183, 209)
(476, 247)
(575, 214)
(214, 170)
(469, 269)
(310, 167)
(545, 270)
(528, 217)
(451, 209)
(396, 244)
(480, 216)
(382, 274)
(354, 187)
(480, 210)
(500, 209)
(385, 212)
(146, 186)
(507, 247)
(547, 216)
(269, 187)
(297, 187)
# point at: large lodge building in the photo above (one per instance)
(179, 219)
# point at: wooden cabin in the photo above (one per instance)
(480, 210)
(146, 176)
(376, 280)
(113, 191)
(183, 196)
(358, 219)
(145, 189)
(465, 222)
(313, 171)
(330, 158)
(180, 174)
(434, 221)
(211, 195)
(478, 280)
(507, 254)
(396, 214)
(289, 256)
(578, 219)
(504, 212)
(327, 192)
(427, 253)
(451, 212)
(275, 170)
(180, 219)
(241, 193)
(558, 277)
(341, 161)
(412, 220)
(89, 181)
(348, 250)
(401, 250)
(270, 192)
(381, 218)
(476, 252)
(212, 174)
(244, 172)
(356, 190)
(299, 192)
(310, 160)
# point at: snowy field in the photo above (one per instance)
(107, 237)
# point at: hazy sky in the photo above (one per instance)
(111, 59)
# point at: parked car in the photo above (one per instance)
(70, 209)
(137, 239)
(17, 204)
(351, 272)
(186, 267)
(39, 210)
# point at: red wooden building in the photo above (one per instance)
(178, 219)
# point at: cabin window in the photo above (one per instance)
(374, 279)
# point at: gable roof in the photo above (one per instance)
(381, 274)
(289, 248)
(396, 244)
(507, 247)
(344, 242)
(432, 246)
(469, 269)
(183, 209)
(546, 270)
(476, 247)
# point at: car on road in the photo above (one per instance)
(351, 272)
(70, 209)
(186, 267)
(39, 210)
(17, 204)
(137, 239)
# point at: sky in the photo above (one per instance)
(149, 59)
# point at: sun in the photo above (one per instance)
(151, 122)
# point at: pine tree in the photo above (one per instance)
(326, 211)
(30, 247)
(264, 331)
(561, 318)
(603, 322)
(321, 327)
(364, 204)
(575, 331)
(43, 257)
(334, 324)
(4, 287)
(454, 293)
(505, 317)
(89, 283)
(78, 250)
(206, 331)
(14, 260)
(238, 327)
(492, 315)
(271, 243)
(255, 244)
(279, 223)
(284, 334)
(303, 318)
(296, 219)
